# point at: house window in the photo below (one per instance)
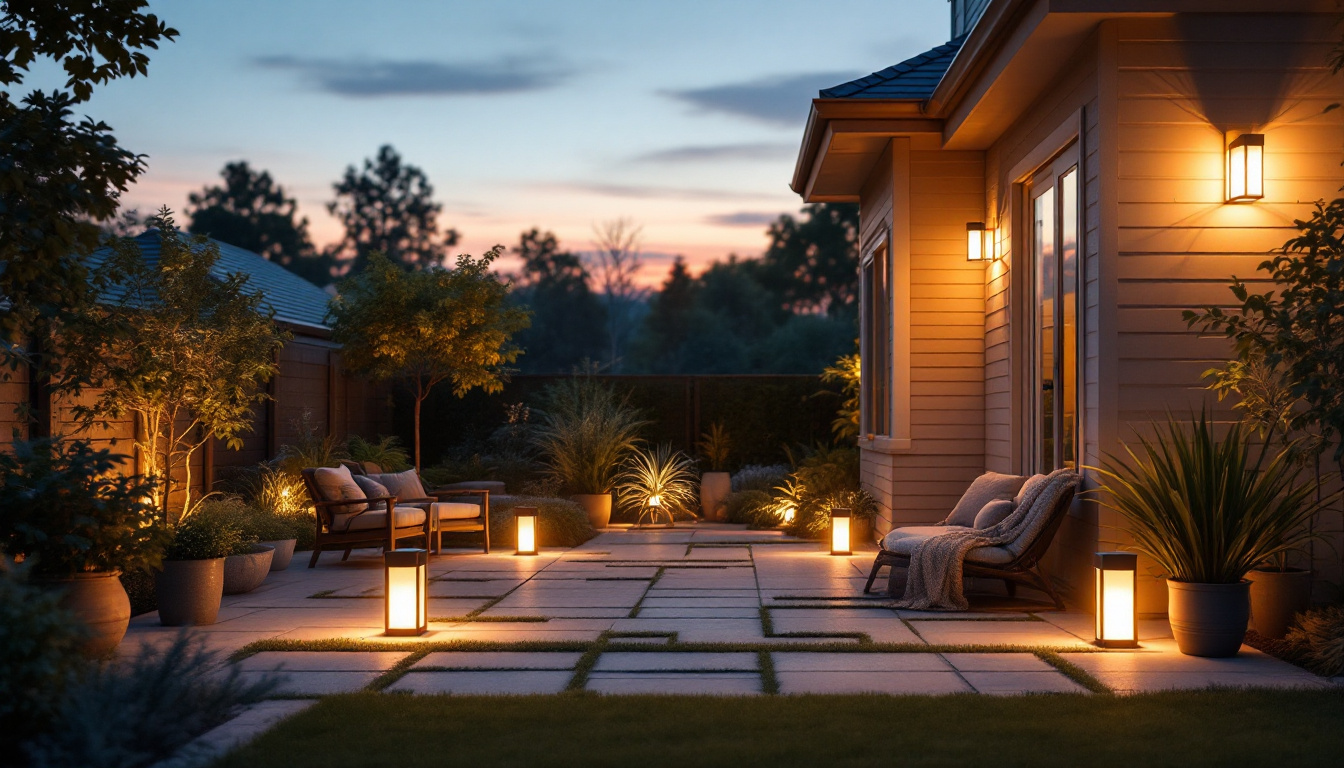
(875, 342)
(1053, 199)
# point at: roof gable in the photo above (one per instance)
(914, 78)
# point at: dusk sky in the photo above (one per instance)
(683, 116)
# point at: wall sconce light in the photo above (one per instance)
(405, 592)
(1117, 609)
(840, 531)
(525, 519)
(1246, 168)
(980, 244)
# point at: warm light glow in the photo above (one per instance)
(840, 532)
(526, 518)
(284, 493)
(407, 587)
(1116, 622)
(1246, 168)
(655, 501)
(789, 513)
(975, 241)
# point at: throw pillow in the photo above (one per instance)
(993, 513)
(403, 485)
(336, 484)
(986, 488)
(1030, 487)
(372, 488)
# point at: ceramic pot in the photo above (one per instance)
(1276, 599)
(244, 573)
(598, 507)
(284, 552)
(189, 591)
(100, 602)
(714, 488)
(1209, 619)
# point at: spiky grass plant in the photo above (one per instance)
(657, 481)
(386, 452)
(585, 435)
(715, 446)
(1317, 640)
(1196, 506)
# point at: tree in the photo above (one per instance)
(812, 265)
(617, 260)
(387, 207)
(185, 352)
(432, 326)
(58, 177)
(668, 326)
(569, 322)
(251, 211)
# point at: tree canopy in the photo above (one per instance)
(387, 206)
(568, 319)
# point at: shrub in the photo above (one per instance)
(387, 453)
(824, 479)
(253, 522)
(758, 477)
(312, 448)
(66, 510)
(560, 522)
(138, 712)
(39, 646)
(715, 446)
(748, 507)
(586, 433)
(659, 475)
(275, 494)
(1317, 640)
(205, 537)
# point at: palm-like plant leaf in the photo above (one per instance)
(661, 473)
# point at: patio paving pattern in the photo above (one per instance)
(697, 609)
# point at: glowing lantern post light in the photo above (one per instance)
(840, 531)
(1246, 168)
(526, 520)
(1117, 609)
(406, 592)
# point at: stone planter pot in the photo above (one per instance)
(189, 591)
(598, 507)
(1209, 619)
(244, 573)
(100, 602)
(714, 488)
(1276, 599)
(284, 552)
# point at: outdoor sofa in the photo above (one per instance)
(450, 510)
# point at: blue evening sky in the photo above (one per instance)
(683, 116)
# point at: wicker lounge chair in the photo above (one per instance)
(1015, 563)
(382, 524)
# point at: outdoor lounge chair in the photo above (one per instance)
(1015, 563)
(446, 513)
(382, 523)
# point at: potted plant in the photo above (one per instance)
(191, 584)
(586, 432)
(280, 512)
(716, 484)
(656, 482)
(1199, 508)
(79, 525)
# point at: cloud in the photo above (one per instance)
(701, 153)
(645, 192)
(780, 100)
(358, 78)
(743, 219)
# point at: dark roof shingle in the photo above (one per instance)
(914, 78)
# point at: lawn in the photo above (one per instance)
(1198, 728)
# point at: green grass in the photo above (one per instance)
(1216, 728)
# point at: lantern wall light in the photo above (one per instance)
(405, 592)
(525, 520)
(980, 244)
(840, 531)
(1246, 168)
(1117, 606)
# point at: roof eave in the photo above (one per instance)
(825, 111)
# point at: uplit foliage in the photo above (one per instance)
(386, 452)
(184, 351)
(846, 373)
(657, 481)
(586, 432)
(715, 446)
(429, 327)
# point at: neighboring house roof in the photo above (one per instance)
(293, 299)
(914, 78)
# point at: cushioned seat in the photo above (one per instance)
(906, 543)
(455, 510)
(403, 517)
(917, 531)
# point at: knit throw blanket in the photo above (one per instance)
(934, 579)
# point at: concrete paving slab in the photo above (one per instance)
(858, 662)
(559, 613)
(654, 600)
(997, 662)
(995, 633)
(1021, 683)
(304, 683)
(322, 661)
(674, 662)
(697, 630)
(498, 660)
(483, 683)
(928, 683)
(656, 612)
(879, 630)
(703, 683)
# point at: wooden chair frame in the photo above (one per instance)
(329, 539)
(464, 525)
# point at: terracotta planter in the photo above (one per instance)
(598, 507)
(189, 591)
(284, 552)
(100, 602)
(714, 488)
(1276, 599)
(244, 573)
(1209, 619)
